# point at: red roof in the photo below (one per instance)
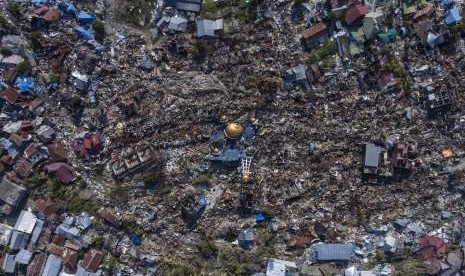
(96, 142)
(9, 76)
(70, 259)
(51, 15)
(56, 152)
(62, 171)
(11, 95)
(30, 150)
(47, 207)
(88, 144)
(355, 12)
(35, 269)
(314, 31)
(432, 247)
(92, 261)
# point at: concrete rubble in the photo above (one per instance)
(190, 137)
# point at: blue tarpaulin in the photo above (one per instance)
(452, 16)
(260, 217)
(86, 18)
(70, 8)
(87, 34)
(25, 84)
(446, 3)
(203, 201)
(136, 240)
(38, 3)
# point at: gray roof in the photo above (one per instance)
(9, 264)
(165, 19)
(372, 152)
(23, 257)
(205, 27)
(26, 222)
(37, 231)
(70, 233)
(246, 235)
(10, 193)
(18, 240)
(333, 252)
(82, 272)
(83, 221)
(52, 266)
(297, 73)
(189, 5)
(177, 24)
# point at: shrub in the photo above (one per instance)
(207, 249)
(99, 29)
(34, 40)
(131, 227)
(5, 52)
(14, 8)
(3, 21)
(322, 52)
(24, 68)
(54, 77)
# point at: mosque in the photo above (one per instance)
(231, 144)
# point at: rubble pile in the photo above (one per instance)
(188, 137)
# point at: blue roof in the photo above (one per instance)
(249, 132)
(228, 155)
(260, 217)
(452, 16)
(333, 252)
(25, 84)
(52, 266)
(37, 231)
(9, 264)
(136, 240)
(18, 240)
(23, 257)
(85, 18)
(87, 34)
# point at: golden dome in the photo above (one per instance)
(234, 130)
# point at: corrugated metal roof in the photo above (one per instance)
(178, 24)
(205, 27)
(184, 6)
(333, 252)
(9, 265)
(52, 266)
(314, 30)
(23, 257)
(372, 155)
(26, 222)
(37, 231)
(18, 240)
